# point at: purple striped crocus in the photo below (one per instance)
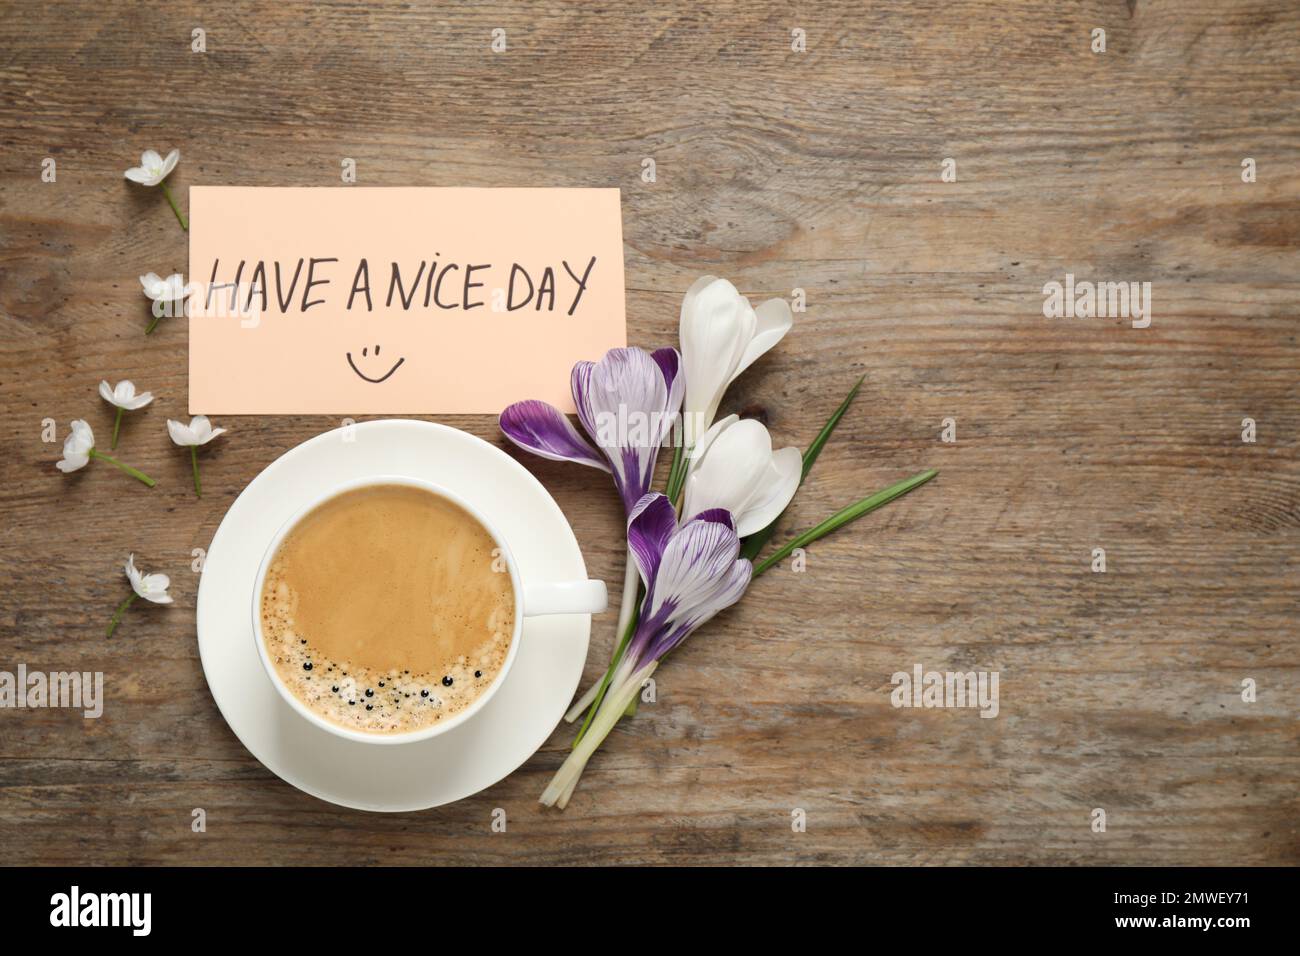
(627, 403)
(690, 573)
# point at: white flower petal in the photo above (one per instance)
(716, 326)
(774, 320)
(731, 472)
(181, 433)
(76, 447)
(773, 493)
(701, 447)
(133, 575)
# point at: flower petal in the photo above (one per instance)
(544, 430)
(716, 326)
(727, 590)
(733, 469)
(774, 492)
(699, 575)
(106, 393)
(134, 576)
(773, 320)
(652, 523)
(81, 437)
(622, 401)
(701, 447)
(155, 588)
(181, 433)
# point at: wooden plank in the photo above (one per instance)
(820, 171)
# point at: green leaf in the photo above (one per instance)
(676, 473)
(815, 449)
(754, 543)
(841, 518)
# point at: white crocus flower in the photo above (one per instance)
(153, 169)
(198, 432)
(165, 293)
(151, 587)
(735, 468)
(79, 448)
(124, 398)
(722, 335)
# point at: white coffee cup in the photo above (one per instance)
(531, 598)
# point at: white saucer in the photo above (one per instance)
(455, 764)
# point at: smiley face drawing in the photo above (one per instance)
(365, 353)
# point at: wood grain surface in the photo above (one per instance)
(780, 170)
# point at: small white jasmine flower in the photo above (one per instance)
(198, 432)
(123, 395)
(171, 289)
(165, 294)
(79, 448)
(151, 587)
(124, 398)
(153, 169)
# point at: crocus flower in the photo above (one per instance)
(123, 397)
(690, 574)
(198, 432)
(165, 293)
(627, 404)
(153, 169)
(151, 587)
(79, 448)
(722, 335)
(734, 467)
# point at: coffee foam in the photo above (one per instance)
(362, 698)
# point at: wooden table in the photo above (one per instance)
(818, 170)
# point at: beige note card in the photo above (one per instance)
(398, 300)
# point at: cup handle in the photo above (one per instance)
(565, 597)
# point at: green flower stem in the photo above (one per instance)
(117, 615)
(117, 424)
(158, 317)
(134, 473)
(676, 474)
(175, 208)
(841, 518)
(603, 687)
(194, 462)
